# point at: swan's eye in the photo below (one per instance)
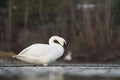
(56, 41)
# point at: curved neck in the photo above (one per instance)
(56, 45)
(51, 41)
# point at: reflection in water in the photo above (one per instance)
(53, 74)
(29, 73)
(59, 73)
(56, 75)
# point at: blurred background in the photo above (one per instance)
(90, 27)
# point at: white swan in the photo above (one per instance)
(43, 53)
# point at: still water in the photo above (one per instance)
(61, 72)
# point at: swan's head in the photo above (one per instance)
(60, 40)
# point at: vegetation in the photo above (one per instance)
(93, 31)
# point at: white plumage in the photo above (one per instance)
(43, 53)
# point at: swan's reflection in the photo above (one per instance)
(56, 75)
(53, 73)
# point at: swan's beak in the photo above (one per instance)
(62, 42)
(65, 46)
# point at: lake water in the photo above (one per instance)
(61, 72)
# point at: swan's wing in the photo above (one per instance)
(39, 50)
(25, 50)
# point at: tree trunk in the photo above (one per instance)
(9, 27)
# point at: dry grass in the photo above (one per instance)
(7, 54)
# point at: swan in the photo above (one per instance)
(43, 53)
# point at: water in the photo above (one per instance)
(61, 72)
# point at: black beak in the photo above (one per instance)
(65, 46)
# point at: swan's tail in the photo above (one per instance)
(14, 56)
(17, 56)
(25, 58)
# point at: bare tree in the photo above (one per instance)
(9, 26)
(26, 14)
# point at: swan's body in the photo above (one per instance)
(42, 53)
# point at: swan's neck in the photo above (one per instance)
(52, 43)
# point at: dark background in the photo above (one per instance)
(90, 27)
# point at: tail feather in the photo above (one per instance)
(25, 59)
(14, 56)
